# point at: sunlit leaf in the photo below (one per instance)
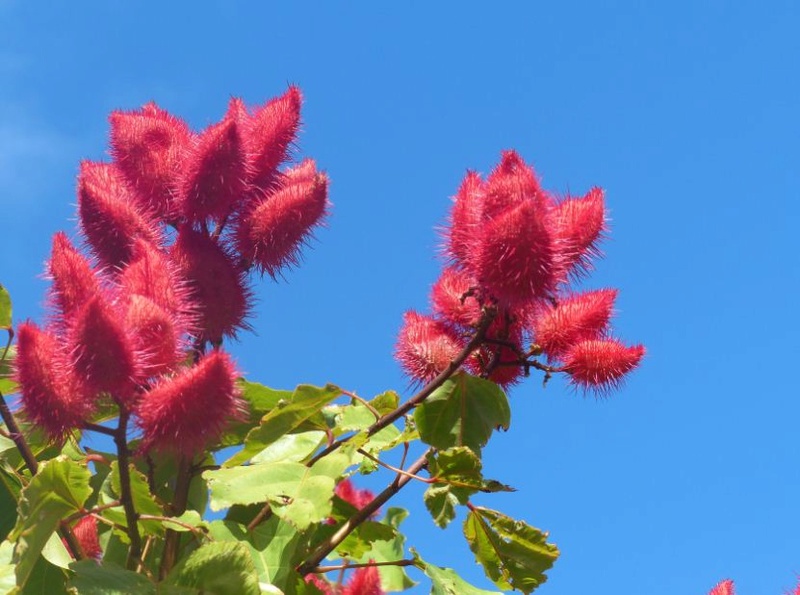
(5, 310)
(393, 578)
(221, 568)
(91, 578)
(444, 581)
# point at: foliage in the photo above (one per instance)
(211, 483)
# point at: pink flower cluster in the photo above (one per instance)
(172, 225)
(512, 245)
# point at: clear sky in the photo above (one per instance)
(686, 112)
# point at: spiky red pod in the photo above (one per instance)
(85, 531)
(155, 334)
(215, 171)
(425, 346)
(364, 581)
(272, 234)
(512, 182)
(600, 364)
(465, 220)
(73, 279)
(109, 219)
(187, 412)
(51, 396)
(148, 146)
(725, 587)
(515, 262)
(216, 284)
(320, 583)
(451, 300)
(269, 133)
(579, 224)
(580, 316)
(104, 352)
(353, 495)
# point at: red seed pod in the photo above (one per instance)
(600, 364)
(451, 299)
(187, 412)
(109, 219)
(104, 352)
(516, 262)
(352, 495)
(501, 351)
(216, 284)
(579, 224)
(466, 218)
(74, 280)
(320, 583)
(85, 531)
(269, 133)
(51, 396)
(425, 346)
(364, 581)
(272, 233)
(155, 334)
(148, 146)
(577, 317)
(512, 182)
(215, 173)
(725, 587)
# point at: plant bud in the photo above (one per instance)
(578, 225)
(51, 396)
(465, 221)
(155, 335)
(85, 531)
(74, 281)
(364, 581)
(450, 300)
(108, 217)
(187, 412)
(600, 364)
(148, 146)
(425, 346)
(215, 172)
(512, 182)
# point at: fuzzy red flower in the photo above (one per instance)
(51, 395)
(74, 281)
(579, 226)
(364, 581)
(269, 133)
(600, 364)
(425, 346)
(216, 284)
(147, 146)
(465, 220)
(155, 334)
(109, 219)
(187, 412)
(273, 232)
(105, 357)
(85, 531)
(515, 260)
(450, 300)
(215, 173)
(575, 318)
(725, 587)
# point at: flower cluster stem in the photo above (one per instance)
(125, 496)
(172, 538)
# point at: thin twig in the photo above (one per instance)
(87, 425)
(347, 565)
(125, 496)
(391, 468)
(172, 538)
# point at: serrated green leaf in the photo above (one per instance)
(393, 578)
(7, 384)
(460, 467)
(305, 402)
(441, 503)
(5, 309)
(221, 568)
(10, 487)
(513, 554)
(464, 411)
(445, 581)
(291, 447)
(91, 578)
(298, 494)
(45, 578)
(59, 488)
(272, 546)
(386, 402)
(354, 417)
(143, 501)
(260, 400)
(363, 539)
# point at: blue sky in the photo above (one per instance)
(685, 112)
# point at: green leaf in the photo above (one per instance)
(393, 578)
(143, 501)
(58, 490)
(364, 537)
(272, 546)
(7, 384)
(464, 411)
(513, 554)
(260, 401)
(221, 568)
(305, 402)
(291, 447)
(298, 494)
(8, 577)
(10, 487)
(45, 578)
(5, 309)
(386, 402)
(441, 502)
(447, 582)
(91, 578)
